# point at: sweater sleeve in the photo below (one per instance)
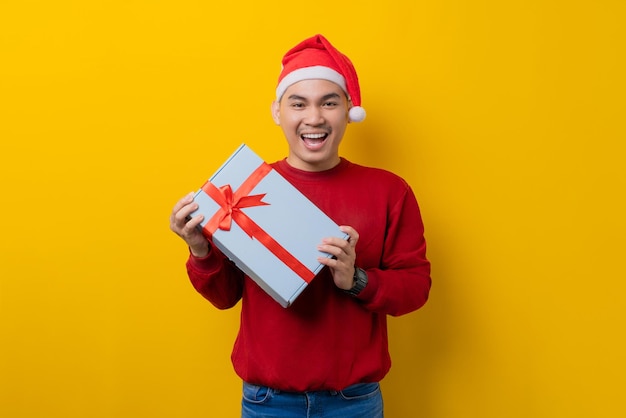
(401, 282)
(216, 278)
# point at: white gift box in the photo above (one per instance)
(264, 224)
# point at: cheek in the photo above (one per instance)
(289, 126)
(289, 119)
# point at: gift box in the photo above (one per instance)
(264, 225)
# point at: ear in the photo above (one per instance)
(276, 112)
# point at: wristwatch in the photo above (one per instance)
(360, 281)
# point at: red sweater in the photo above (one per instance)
(328, 340)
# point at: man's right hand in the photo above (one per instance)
(187, 228)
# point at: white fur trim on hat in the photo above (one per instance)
(317, 72)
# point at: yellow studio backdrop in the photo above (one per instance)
(505, 117)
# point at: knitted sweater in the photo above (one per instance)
(328, 340)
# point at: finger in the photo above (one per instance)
(177, 217)
(182, 216)
(340, 257)
(330, 262)
(185, 226)
(337, 242)
(182, 202)
(333, 250)
(353, 236)
(193, 223)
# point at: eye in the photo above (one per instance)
(330, 104)
(297, 105)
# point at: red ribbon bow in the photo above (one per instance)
(230, 210)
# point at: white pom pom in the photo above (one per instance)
(356, 114)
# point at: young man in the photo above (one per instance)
(324, 355)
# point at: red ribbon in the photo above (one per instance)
(230, 210)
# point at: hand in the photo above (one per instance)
(342, 265)
(186, 228)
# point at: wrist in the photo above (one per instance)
(200, 251)
(359, 281)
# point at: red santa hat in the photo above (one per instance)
(316, 58)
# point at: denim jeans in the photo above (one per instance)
(362, 400)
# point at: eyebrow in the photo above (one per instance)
(326, 97)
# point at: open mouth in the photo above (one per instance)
(314, 140)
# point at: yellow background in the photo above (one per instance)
(505, 117)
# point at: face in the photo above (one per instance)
(313, 115)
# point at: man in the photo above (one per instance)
(324, 355)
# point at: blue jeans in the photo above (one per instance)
(362, 400)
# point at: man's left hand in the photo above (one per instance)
(344, 256)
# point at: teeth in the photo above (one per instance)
(313, 136)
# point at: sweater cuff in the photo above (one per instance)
(208, 262)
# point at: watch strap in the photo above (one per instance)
(360, 281)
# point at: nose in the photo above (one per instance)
(314, 116)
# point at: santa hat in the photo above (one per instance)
(316, 58)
